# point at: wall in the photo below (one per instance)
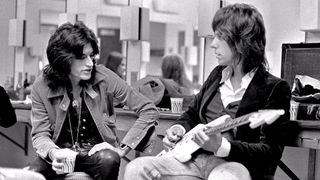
(282, 26)
(6, 53)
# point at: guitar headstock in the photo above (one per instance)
(267, 116)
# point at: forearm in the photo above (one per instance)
(43, 145)
(255, 153)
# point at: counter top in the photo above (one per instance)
(119, 111)
(168, 115)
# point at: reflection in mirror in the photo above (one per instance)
(169, 38)
(169, 33)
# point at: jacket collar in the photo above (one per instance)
(246, 79)
(254, 92)
(99, 76)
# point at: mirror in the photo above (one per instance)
(171, 31)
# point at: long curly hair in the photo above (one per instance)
(242, 27)
(65, 45)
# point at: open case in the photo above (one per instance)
(301, 59)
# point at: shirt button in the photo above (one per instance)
(81, 134)
(138, 137)
(84, 120)
(83, 127)
(132, 144)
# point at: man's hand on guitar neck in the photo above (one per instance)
(173, 135)
(210, 142)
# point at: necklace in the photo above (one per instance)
(77, 105)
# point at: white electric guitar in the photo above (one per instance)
(186, 146)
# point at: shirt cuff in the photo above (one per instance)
(224, 149)
(181, 127)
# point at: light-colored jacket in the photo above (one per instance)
(49, 111)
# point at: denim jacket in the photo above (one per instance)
(49, 110)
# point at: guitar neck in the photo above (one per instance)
(228, 124)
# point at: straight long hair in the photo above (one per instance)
(173, 68)
(242, 27)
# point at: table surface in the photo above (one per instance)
(305, 124)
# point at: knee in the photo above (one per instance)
(141, 167)
(108, 158)
(132, 166)
(137, 165)
(231, 170)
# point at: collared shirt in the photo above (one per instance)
(229, 95)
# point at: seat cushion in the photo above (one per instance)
(76, 176)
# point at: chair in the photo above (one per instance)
(76, 176)
(287, 171)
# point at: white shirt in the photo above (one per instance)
(229, 95)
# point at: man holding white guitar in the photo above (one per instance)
(238, 92)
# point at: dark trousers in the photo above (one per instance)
(103, 165)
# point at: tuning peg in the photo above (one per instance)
(256, 120)
(183, 157)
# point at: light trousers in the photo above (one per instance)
(18, 174)
(168, 168)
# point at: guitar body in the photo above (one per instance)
(184, 148)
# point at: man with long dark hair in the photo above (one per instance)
(73, 118)
(239, 85)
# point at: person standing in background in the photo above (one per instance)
(175, 81)
(173, 68)
(116, 63)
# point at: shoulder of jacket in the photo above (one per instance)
(39, 82)
(102, 73)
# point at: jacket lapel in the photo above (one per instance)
(254, 93)
(209, 93)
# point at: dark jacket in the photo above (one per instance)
(258, 149)
(7, 114)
